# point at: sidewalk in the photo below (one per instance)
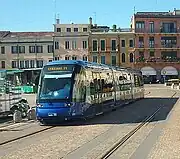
(168, 144)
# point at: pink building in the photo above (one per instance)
(157, 44)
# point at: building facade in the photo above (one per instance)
(157, 44)
(71, 41)
(112, 46)
(152, 45)
(25, 50)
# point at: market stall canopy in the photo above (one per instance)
(147, 71)
(11, 72)
(169, 70)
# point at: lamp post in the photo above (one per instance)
(36, 52)
(118, 50)
(18, 53)
(53, 47)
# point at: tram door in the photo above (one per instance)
(98, 95)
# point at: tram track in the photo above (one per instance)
(12, 125)
(129, 135)
(5, 128)
(92, 142)
(26, 135)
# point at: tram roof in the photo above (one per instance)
(72, 62)
(80, 62)
(32, 69)
(92, 65)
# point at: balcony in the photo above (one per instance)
(141, 45)
(158, 60)
(169, 45)
(173, 30)
(156, 31)
(140, 60)
(158, 47)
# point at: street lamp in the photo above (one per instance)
(36, 52)
(53, 47)
(18, 53)
(118, 50)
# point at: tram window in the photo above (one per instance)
(109, 83)
(79, 91)
(124, 77)
(102, 83)
(129, 77)
(92, 88)
(136, 81)
(121, 78)
(141, 81)
(96, 85)
(93, 85)
(99, 85)
(117, 83)
(115, 80)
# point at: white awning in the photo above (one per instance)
(169, 70)
(146, 71)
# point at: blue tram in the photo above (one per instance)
(79, 89)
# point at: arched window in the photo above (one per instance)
(74, 58)
(66, 57)
(123, 58)
(84, 58)
(131, 58)
(56, 58)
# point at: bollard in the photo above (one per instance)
(178, 87)
(17, 117)
(165, 84)
(172, 86)
(31, 114)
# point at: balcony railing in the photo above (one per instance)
(160, 30)
(158, 60)
(169, 46)
(141, 45)
(173, 30)
(155, 46)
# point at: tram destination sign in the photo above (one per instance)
(52, 68)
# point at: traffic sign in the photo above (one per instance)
(164, 72)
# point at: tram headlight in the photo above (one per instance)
(67, 104)
(39, 105)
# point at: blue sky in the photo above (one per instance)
(38, 15)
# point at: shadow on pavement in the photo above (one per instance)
(5, 119)
(132, 113)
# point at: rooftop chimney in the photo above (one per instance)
(57, 21)
(90, 21)
(114, 28)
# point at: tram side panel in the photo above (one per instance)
(100, 92)
(108, 90)
(138, 87)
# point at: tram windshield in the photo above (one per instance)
(55, 86)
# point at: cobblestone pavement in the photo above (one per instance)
(91, 138)
(168, 144)
(141, 145)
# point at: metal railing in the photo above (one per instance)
(160, 30)
(158, 60)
